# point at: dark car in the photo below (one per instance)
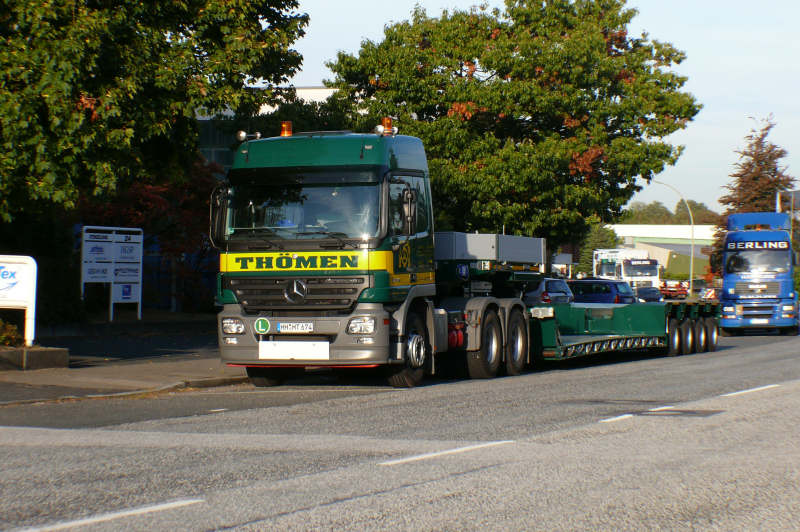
(648, 294)
(547, 290)
(601, 291)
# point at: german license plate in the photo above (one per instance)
(293, 350)
(296, 327)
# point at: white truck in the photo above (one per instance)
(631, 265)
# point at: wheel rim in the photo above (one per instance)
(712, 339)
(701, 338)
(415, 350)
(492, 343)
(516, 341)
(674, 340)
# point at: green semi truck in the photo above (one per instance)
(328, 258)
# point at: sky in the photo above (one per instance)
(743, 65)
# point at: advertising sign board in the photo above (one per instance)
(113, 255)
(18, 289)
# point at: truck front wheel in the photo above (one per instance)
(484, 363)
(410, 374)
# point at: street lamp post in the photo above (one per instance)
(691, 222)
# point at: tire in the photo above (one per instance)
(687, 337)
(673, 338)
(418, 351)
(700, 337)
(484, 363)
(712, 333)
(516, 343)
(269, 377)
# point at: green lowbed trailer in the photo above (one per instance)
(328, 258)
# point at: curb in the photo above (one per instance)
(211, 382)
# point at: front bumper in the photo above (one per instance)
(326, 344)
(757, 314)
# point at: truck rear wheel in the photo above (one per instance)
(712, 333)
(700, 336)
(516, 343)
(484, 363)
(410, 374)
(687, 337)
(673, 338)
(268, 377)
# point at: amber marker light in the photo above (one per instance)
(286, 129)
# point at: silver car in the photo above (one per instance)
(548, 290)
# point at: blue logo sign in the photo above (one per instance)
(462, 270)
(8, 278)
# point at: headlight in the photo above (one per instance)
(361, 325)
(788, 307)
(232, 326)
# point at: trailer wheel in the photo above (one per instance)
(673, 338)
(700, 336)
(269, 377)
(410, 374)
(687, 336)
(516, 343)
(712, 333)
(484, 363)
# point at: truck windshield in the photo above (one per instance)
(310, 210)
(640, 270)
(605, 269)
(776, 261)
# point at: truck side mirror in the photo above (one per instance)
(410, 210)
(216, 215)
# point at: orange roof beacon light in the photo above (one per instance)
(385, 127)
(286, 128)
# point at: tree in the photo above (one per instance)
(757, 179)
(758, 176)
(97, 95)
(598, 237)
(700, 213)
(647, 213)
(535, 118)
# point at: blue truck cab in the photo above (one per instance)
(757, 274)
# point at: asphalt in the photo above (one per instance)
(163, 351)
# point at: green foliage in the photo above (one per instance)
(599, 237)
(656, 213)
(535, 118)
(10, 335)
(97, 95)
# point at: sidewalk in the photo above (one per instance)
(161, 352)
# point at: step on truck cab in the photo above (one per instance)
(328, 259)
(758, 274)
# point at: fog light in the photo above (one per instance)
(361, 325)
(232, 326)
(230, 340)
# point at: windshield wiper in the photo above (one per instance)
(253, 232)
(335, 235)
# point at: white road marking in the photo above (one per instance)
(618, 418)
(116, 515)
(661, 408)
(751, 390)
(444, 453)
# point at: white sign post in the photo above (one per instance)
(18, 289)
(113, 255)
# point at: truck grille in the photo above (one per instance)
(757, 289)
(296, 293)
